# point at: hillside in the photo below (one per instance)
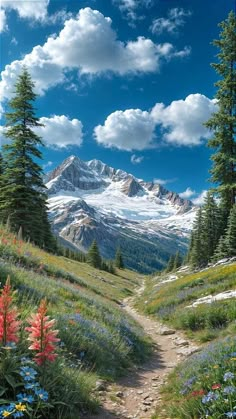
(90, 200)
(97, 339)
(202, 304)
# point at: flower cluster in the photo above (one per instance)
(30, 399)
(42, 335)
(9, 325)
(213, 385)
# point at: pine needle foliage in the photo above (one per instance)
(22, 195)
(223, 121)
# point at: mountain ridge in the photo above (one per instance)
(91, 200)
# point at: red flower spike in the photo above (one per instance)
(9, 325)
(216, 386)
(42, 335)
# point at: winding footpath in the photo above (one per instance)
(138, 394)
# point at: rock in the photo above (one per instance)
(188, 351)
(181, 342)
(140, 392)
(119, 394)
(166, 331)
(100, 385)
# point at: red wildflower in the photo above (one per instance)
(9, 325)
(198, 393)
(216, 386)
(42, 335)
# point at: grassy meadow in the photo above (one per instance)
(97, 340)
(203, 386)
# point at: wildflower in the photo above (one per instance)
(229, 390)
(24, 398)
(42, 394)
(6, 413)
(231, 414)
(28, 373)
(9, 325)
(216, 386)
(21, 407)
(211, 396)
(42, 335)
(215, 366)
(228, 376)
(198, 393)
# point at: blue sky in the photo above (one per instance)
(128, 82)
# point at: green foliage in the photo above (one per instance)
(223, 121)
(206, 233)
(204, 385)
(22, 195)
(170, 264)
(119, 263)
(93, 256)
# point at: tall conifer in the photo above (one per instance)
(223, 121)
(22, 196)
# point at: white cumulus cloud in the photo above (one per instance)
(176, 19)
(94, 49)
(60, 131)
(164, 181)
(188, 193)
(3, 21)
(182, 121)
(33, 10)
(132, 129)
(136, 159)
(130, 7)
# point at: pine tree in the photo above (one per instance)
(177, 261)
(198, 255)
(119, 263)
(22, 196)
(170, 264)
(93, 256)
(230, 236)
(211, 227)
(223, 121)
(221, 250)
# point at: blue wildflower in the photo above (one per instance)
(18, 415)
(42, 394)
(28, 373)
(211, 396)
(228, 376)
(25, 398)
(31, 386)
(230, 414)
(229, 390)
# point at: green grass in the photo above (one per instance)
(169, 302)
(98, 339)
(204, 385)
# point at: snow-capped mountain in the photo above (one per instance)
(90, 200)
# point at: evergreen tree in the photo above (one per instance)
(93, 256)
(223, 121)
(221, 250)
(211, 227)
(119, 263)
(22, 196)
(230, 236)
(198, 255)
(170, 264)
(177, 261)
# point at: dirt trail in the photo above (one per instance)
(138, 394)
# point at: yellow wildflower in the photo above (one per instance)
(6, 413)
(21, 407)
